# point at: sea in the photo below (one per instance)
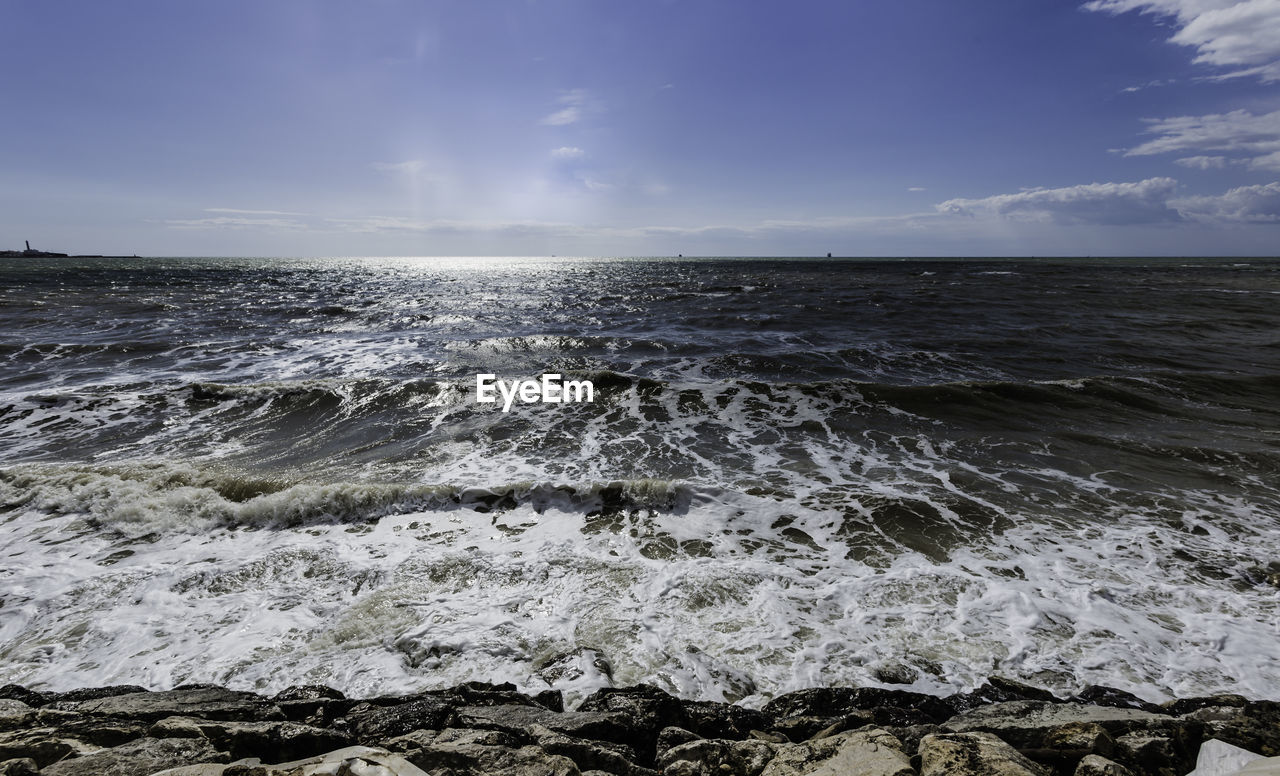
(911, 473)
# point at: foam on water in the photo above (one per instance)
(710, 594)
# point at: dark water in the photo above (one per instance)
(794, 472)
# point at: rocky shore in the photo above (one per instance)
(1003, 728)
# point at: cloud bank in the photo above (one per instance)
(1242, 36)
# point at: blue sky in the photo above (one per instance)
(913, 127)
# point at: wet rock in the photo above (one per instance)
(874, 752)
(973, 754)
(1255, 727)
(370, 723)
(894, 672)
(841, 724)
(649, 709)
(17, 692)
(1191, 705)
(1151, 754)
(716, 757)
(93, 693)
(602, 726)
(302, 702)
(722, 720)
(590, 755)
(47, 744)
(999, 690)
(267, 740)
(15, 714)
(1025, 724)
(142, 757)
(911, 735)
(1101, 695)
(671, 737)
(464, 754)
(197, 701)
(1094, 765)
(833, 702)
(24, 766)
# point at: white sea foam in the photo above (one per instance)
(707, 598)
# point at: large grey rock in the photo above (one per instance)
(717, 757)
(973, 754)
(874, 752)
(142, 757)
(1026, 724)
(462, 754)
(372, 723)
(43, 745)
(268, 740)
(1218, 758)
(24, 766)
(1095, 765)
(15, 714)
(617, 759)
(601, 725)
(204, 702)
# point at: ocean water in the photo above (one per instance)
(264, 472)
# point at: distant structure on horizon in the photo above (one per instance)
(31, 253)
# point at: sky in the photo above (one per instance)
(645, 127)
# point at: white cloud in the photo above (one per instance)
(409, 167)
(231, 222)
(568, 152)
(1202, 162)
(575, 104)
(1141, 202)
(1241, 35)
(916, 188)
(1248, 204)
(252, 212)
(1256, 138)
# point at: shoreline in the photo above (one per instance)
(1002, 727)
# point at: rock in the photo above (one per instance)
(671, 737)
(302, 702)
(1025, 724)
(603, 726)
(461, 753)
(93, 693)
(43, 745)
(1189, 705)
(204, 702)
(24, 766)
(15, 714)
(590, 755)
(833, 702)
(874, 752)
(848, 722)
(648, 708)
(267, 740)
(142, 757)
(1255, 727)
(999, 690)
(1150, 753)
(1093, 765)
(716, 757)
(1218, 758)
(721, 720)
(370, 723)
(911, 735)
(973, 754)
(17, 692)
(894, 672)
(1101, 695)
